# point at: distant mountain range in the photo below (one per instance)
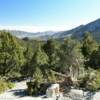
(77, 33)
(23, 34)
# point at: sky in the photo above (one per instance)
(45, 15)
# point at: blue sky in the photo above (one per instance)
(41, 15)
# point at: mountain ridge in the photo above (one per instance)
(76, 33)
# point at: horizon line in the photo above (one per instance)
(34, 29)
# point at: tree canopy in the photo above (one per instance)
(11, 53)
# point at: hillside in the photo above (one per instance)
(76, 33)
(93, 27)
(40, 35)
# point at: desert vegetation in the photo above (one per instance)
(49, 61)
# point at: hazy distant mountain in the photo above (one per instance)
(63, 34)
(40, 35)
(77, 33)
(93, 27)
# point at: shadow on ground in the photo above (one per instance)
(89, 95)
(19, 92)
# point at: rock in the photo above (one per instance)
(75, 94)
(96, 96)
(53, 91)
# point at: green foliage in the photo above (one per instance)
(5, 85)
(40, 57)
(51, 47)
(34, 90)
(94, 84)
(89, 45)
(34, 86)
(28, 54)
(26, 68)
(36, 59)
(71, 58)
(51, 76)
(11, 53)
(10, 85)
(94, 60)
(91, 81)
(30, 88)
(38, 76)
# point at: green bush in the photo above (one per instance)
(10, 85)
(94, 84)
(51, 77)
(5, 85)
(33, 88)
(91, 82)
(37, 89)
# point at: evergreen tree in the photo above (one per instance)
(89, 45)
(94, 60)
(71, 59)
(38, 76)
(26, 68)
(11, 54)
(51, 47)
(39, 59)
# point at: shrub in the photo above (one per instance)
(33, 88)
(10, 85)
(5, 85)
(36, 89)
(51, 77)
(94, 84)
(91, 82)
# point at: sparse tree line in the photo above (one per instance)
(38, 59)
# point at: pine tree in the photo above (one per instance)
(11, 54)
(89, 45)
